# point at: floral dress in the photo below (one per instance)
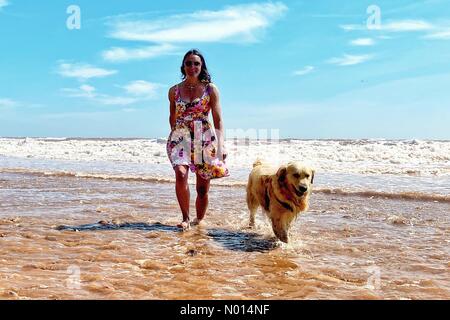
(192, 141)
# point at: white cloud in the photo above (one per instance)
(393, 26)
(116, 54)
(87, 88)
(119, 101)
(7, 103)
(352, 27)
(82, 71)
(435, 30)
(90, 93)
(234, 23)
(136, 91)
(84, 91)
(304, 71)
(141, 88)
(443, 34)
(3, 3)
(349, 60)
(362, 42)
(406, 25)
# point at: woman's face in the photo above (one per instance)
(192, 66)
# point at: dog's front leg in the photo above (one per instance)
(281, 225)
(280, 230)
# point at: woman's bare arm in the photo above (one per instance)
(172, 117)
(217, 118)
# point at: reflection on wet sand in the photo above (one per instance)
(68, 238)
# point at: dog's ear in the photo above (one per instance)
(281, 174)
(312, 176)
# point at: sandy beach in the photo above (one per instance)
(73, 236)
(101, 103)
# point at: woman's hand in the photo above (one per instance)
(222, 153)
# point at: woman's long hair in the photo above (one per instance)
(204, 75)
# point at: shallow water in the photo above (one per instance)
(68, 237)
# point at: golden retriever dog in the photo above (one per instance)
(282, 193)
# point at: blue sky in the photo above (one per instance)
(312, 69)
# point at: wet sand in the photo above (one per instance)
(84, 238)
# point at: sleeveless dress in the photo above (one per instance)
(192, 142)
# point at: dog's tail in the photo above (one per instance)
(258, 162)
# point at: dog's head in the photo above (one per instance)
(297, 178)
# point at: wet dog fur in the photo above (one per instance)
(281, 192)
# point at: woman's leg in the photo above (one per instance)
(182, 191)
(201, 204)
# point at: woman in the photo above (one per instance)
(192, 144)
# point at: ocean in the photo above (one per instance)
(95, 218)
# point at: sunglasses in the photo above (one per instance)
(190, 63)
